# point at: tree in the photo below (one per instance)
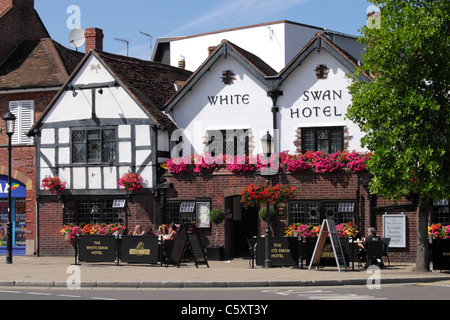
(404, 112)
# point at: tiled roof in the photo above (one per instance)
(150, 83)
(38, 64)
(254, 60)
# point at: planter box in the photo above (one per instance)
(307, 245)
(215, 253)
(440, 252)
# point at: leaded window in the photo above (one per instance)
(313, 212)
(94, 146)
(328, 140)
(93, 211)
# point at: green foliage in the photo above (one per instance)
(262, 214)
(404, 112)
(216, 216)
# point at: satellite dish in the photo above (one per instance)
(76, 38)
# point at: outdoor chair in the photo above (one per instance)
(386, 242)
(374, 253)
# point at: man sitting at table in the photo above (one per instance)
(372, 236)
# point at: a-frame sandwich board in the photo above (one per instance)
(328, 228)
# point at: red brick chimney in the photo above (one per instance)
(94, 39)
(211, 50)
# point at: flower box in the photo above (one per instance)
(440, 253)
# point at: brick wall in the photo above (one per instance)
(144, 209)
(310, 186)
(24, 156)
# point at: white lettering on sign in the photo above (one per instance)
(4, 188)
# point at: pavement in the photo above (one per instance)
(29, 271)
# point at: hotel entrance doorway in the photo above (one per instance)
(245, 225)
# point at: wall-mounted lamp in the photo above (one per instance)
(266, 141)
(74, 93)
(100, 91)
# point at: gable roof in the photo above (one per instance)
(255, 65)
(319, 42)
(149, 83)
(31, 59)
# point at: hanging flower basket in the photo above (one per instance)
(276, 194)
(131, 182)
(54, 185)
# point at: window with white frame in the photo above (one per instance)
(24, 113)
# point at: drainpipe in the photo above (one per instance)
(274, 95)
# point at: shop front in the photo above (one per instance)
(18, 215)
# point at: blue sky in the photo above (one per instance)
(126, 19)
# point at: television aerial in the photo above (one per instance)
(76, 38)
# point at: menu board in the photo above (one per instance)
(203, 215)
(394, 227)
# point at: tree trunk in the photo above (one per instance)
(422, 260)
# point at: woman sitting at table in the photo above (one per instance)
(172, 232)
(163, 232)
(138, 231)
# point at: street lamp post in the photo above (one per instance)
(267, 149)
(10, 120)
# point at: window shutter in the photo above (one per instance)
(15, 110)
(24, 112)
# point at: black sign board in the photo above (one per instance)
(179, 248)
(440, 250)
(188, 237)
(97, 248)
(284, 251)
(328, 228)
(139, 249)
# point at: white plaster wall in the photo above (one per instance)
(79, 178)
(110, 177)
(114, 103)
(143, 135)
(298, 109)
(94, 176)
(266, 41)
(196, 115)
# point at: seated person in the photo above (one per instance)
(138, 231)
(163, 232)
(372, 236)
(172, 232)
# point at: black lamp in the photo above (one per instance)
(10, 121)
(266, 141)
